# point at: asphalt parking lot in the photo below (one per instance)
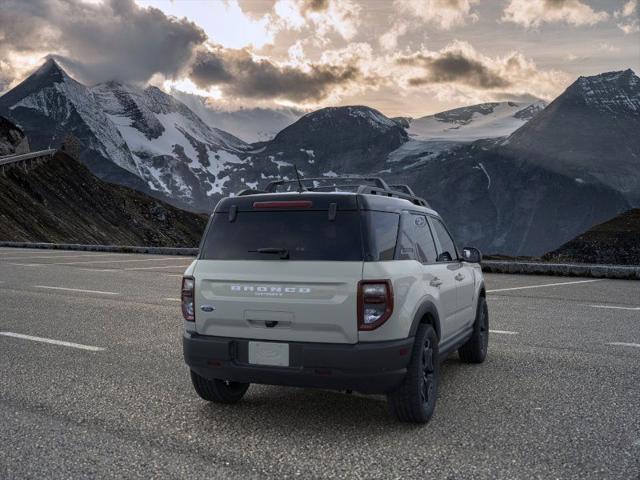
(559, 396)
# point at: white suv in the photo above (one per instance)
(348, 286)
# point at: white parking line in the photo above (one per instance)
(76, 290)
(154, 268)
(503, 332)
(98, 261)
(624, 344)
(544, 285)
(24, 257)
(613, 307)
(173, 299)
(53, 342)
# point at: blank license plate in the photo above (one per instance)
(269, 353)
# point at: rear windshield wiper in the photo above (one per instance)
(283, 252)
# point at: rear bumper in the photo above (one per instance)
(375, 367)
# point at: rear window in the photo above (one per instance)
(305, 235)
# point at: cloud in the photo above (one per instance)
(323, 17)
(239, 73)
(389, 40)
(443, 13)
(454, 67)
(533, 13)
(460, 73)
(626, 24)
(112, 40)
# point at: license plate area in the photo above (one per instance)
(269, 353)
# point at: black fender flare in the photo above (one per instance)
(427, 307)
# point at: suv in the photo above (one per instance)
(351, 286)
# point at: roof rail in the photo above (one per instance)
(377, 181)
(375, 186)
(393, 193)
(402, 187)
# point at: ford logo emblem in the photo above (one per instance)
(207, 308)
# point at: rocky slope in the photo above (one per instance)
(12, 140)
(616, 241)
(590, 133)
(61, 201)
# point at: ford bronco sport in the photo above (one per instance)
(354, 286)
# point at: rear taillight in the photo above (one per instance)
(375, 303)
(187, 297)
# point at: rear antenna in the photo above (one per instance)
(301, 188)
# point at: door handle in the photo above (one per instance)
(435, 282)
(459, 277)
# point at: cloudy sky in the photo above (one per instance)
(404, 57)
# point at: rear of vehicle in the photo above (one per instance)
(277, 296)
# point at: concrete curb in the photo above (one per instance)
(490, 266)
(562, 269)
(104, 248)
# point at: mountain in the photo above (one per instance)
(142, 138)
(55, 201)
(476, 122)
(12, 139)
(591, 133)
(250, 124)
(353, 139)
(612, 242)
(518, 193)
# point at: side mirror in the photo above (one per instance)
(471, 255)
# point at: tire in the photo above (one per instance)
(475, 349)
(415, 400)
(218, 391)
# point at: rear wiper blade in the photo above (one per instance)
(283, 252)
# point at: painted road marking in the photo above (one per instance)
(76, 290)
(99, 269)
(503, 332)
(25, 257)
(624, 344)
(98, 261)
(161, 266)
(613, 307)
(173, 299)
(544, 285)
(53, 342)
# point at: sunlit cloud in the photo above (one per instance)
(443, 13)
(224, 22)
(533, 13)
(628, 17)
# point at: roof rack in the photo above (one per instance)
(374, 186)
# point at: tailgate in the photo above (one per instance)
(283, 300)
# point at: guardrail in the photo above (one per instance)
(11, 159)
(490, 266)
(562, 269)
(104, 248)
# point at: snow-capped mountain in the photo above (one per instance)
(52, 103)
(476, 122)
(565, 168)
(138, 137)
(250, 124)
(591, 132)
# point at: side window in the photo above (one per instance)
(415, 241)
(426, 248)
(447, 251)
(383, 234)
